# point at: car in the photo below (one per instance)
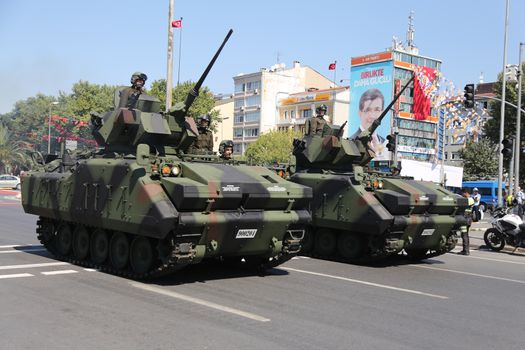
(10, 181)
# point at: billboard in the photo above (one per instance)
(370, 92)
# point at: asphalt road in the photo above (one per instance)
(448, 302)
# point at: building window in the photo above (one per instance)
(292, 114)
(237, 147)
(252, 85)
(405, 107)
(415, 125)
(251, 132)
(239, 118)
(239, 103)
(306, 113)
(240, 87)
(416, 142)
(253, 116)
(253, 100)
(237, 132)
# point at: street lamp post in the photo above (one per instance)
(54, 103)
(517, 145)
(502, 121)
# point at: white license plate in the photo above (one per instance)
(428, 232)
(246, 233)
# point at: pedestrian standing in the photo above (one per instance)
(519, 201)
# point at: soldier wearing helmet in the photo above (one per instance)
(316, 125)
(130, 95)
(204, 142)
(226, 149)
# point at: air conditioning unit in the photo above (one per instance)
(258, 106)
(256, 92)
(242, 108)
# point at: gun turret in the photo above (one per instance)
(333, 152)
(123, 129)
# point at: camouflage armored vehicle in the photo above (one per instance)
(358, 214)
(138, 207)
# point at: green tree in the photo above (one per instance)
(479, 159)
(272, 147)
(203, 104)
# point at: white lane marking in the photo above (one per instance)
(16, 275)
(300, 257)
(90, 270)
(470, 274)
(19, 245)
(30, 266)
(58, 272)
(490, 259)
(200, 302)
(28, 250)
(411, 291)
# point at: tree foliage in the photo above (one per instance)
(272, 147)
(203, 104)
(479, 159)
(13, 155)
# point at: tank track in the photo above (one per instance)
(45, 234)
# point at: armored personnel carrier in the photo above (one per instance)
(359, 214)
(139, 207)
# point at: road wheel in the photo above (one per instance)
(119, 250)
(141, 255)
(308, 241)
(81, 243)
(350, 245)
(494, 239)
(325, 242)
(64, 239)
(17, 187)
(99, 247)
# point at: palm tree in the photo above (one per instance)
(13, 155)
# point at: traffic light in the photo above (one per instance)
(507, 148)
(469, 96)
(391, 145)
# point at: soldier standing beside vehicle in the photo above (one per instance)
(477, 202)
(315, 125)
(130, 95)
(204, 142)
(468, 215)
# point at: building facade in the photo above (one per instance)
(295, 109)
(256, 98)
(384, 74)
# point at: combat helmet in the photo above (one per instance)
(321, 108)
(138, 75)
(224, 144)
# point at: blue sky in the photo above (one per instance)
(46, 46)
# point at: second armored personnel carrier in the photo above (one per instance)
(138, 207)
(359, 214)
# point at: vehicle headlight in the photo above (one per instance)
(176, 170)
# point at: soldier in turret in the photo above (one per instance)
(226, 149)
(316, 125)
(204, 142)
(130, 95)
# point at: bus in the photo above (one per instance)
(488, 189)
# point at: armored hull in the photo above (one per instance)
(118, 216)
(358, 219)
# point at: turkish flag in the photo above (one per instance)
(176, 23)
(331, 66)
(422, 84)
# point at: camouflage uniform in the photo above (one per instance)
(129, 97)
(315, 126)
(203, 144)
(464, 234)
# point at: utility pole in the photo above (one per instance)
(502, 121)
(169, 73)
(517, 142)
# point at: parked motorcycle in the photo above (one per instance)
(507, 228)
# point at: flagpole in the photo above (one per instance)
(169, 73)
(335, 72)
(180, 45)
